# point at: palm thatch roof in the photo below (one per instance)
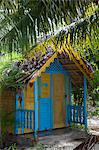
(76, 66)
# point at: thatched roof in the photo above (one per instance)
(34, 66)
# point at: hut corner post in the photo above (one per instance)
(66, 87)
(16, 114)
(85, 102)
(70, 100)
(36, 109)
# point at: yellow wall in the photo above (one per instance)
(29, 97)
(28, 103)
(45, 78)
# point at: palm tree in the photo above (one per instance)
(24, 22)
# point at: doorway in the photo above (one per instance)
(59, 107)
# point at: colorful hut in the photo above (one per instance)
(51, 98)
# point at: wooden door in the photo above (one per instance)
(45, 103)
(59, 101)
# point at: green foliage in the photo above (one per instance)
(95, 113)
(12, 147)
(27, 22)
(8, 57)
(9, 73)
(93, 92)
(40, 146)
(7, 120)
(9, 81)
(94, 85)
(93, 110)
(95, 81)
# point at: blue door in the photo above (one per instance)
(45, 103)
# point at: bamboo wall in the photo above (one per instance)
(7, 109)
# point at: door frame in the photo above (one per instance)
(67, 92)
(64, 99)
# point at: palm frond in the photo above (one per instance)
(29, 19)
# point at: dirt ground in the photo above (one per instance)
(66, 139)
(93, 125)
(59, 139)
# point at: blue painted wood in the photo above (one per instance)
(71, 99)
(16, 116)
(36, 108)
(39, 88)
(27, 122)
(45, 113)
(22, 101)
(17, 96)
(45, 108)
(85, 102)
(30, 120)
(78, 116)
(22, 115)
(56, 68)
(24, 120)
(45, 84)
(19, 117)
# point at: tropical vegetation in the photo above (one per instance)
(24, 24)
(31, 25)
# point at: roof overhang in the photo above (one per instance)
(68, 57)
(72, 62)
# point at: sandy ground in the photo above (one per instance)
(61, 139)
(93, 125)
(68, 139)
